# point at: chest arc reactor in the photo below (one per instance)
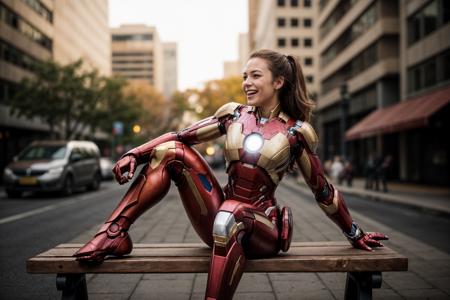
(253, 142)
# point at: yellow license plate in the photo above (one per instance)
(28, 180)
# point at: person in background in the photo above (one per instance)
(336, 170)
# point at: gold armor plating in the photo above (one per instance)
(226, 109)
(305, 165)
(264, 221)
(160, 152)
(197, 196)
(275, 155)
(332, 208)
(234, 142)
(222, 241)
(310, 136)
(236, 267)
(208, 133)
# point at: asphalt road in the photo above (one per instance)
(51, 221)
(34, 224)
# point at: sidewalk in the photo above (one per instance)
(434, 199)
(428, 276)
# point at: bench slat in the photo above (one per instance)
(194, 258)
(205, 251)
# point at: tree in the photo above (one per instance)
(154, 117)
(73, 102)
(218, 92)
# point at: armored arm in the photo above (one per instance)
(202, 131)
(327, 196)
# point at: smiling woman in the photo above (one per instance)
(263, 139)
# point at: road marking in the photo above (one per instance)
(35, 211)
(50, 207)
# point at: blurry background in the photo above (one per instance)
(122, 73)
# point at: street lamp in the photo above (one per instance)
(136, 129)
(343, 121)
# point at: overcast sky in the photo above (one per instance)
(206, 31)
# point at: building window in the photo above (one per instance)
(307, 23)
(281, 42)
(359, 27)
(428, 19)
(294, 3)
(308, 61)
(295, 42)
(429, 73)
(334, 18)
(294, 22)
(281, 3)
(132, 37)
(307, 42)
(281, 22)
(307, 3)
(25, 28)
(16, 57)
(41, 9)
(309, 79)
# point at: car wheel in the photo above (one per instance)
(67, 189)
(13, 194)
(95, 185)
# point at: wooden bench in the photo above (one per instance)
(363, 268)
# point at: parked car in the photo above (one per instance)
(106, 165)
(54, 166)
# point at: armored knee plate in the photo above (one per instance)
(225, 228)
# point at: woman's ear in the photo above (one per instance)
(278, 83)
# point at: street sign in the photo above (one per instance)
(117, 128)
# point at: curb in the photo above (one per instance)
(374, 196)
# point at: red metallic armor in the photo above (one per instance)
(242, 220)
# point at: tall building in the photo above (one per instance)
(287, 26)
(138, 55)
(170, 69)
(393, 57)
(235, 67)
(38, 30)
(81, 30)
(358, 44)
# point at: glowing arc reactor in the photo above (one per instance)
(253, 142)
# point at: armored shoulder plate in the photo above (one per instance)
(226, 109)
(309, 135)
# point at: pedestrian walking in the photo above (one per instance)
(348, 173)
(383, 170)
(337, 167)
(370, 171)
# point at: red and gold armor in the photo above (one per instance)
(242, 220)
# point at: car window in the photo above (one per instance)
(43, 152)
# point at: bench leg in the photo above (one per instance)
(73, 286)
(359, 285)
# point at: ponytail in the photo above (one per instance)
(293, 95)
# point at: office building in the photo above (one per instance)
(287, 26)
(39, 30)
(138, 55)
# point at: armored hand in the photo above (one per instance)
(364, 240)
(126, 164)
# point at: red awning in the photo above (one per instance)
(408, 114)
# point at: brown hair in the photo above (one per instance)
(293, 95)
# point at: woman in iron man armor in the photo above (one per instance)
(264, 139)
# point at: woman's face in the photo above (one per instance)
(258, 84)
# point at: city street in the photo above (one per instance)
(34, 224)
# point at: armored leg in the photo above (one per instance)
(200, 192)
(239, 231)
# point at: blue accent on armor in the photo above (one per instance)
(206, 184)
